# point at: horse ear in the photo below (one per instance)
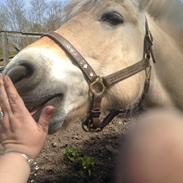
(143, 4)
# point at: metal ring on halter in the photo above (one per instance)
(1, 115)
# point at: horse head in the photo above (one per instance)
(109, 34)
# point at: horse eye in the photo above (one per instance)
(113, 18)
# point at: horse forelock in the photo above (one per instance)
(76, 6)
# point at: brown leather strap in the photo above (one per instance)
(125, 73)
(148, 44)
(98, 85)
(93, 119)
(87, 70)
(76, 57)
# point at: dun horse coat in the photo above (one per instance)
(110, 35)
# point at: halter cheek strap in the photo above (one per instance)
(99, 85)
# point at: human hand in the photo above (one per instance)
(18, 130)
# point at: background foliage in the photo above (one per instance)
(29, 16)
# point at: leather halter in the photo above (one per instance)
(98, 85)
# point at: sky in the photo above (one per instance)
(63, 1)
(27, 1)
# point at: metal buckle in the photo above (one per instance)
(98, 87)
(87, 126)
(148, 73)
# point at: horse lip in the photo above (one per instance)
(54, 127)
(39, 106)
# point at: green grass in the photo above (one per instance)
(85, 163)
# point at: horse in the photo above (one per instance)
(107, 36)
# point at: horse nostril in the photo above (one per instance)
(20, 72)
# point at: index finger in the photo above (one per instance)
(4, 102)
(16, 102)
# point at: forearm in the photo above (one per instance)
(13, 168)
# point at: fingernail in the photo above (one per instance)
(49, 110)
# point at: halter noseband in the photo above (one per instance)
(99, 85)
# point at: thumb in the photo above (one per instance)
(45, 116)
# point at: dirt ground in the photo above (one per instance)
(103, 147)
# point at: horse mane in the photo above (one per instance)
(169, 15)
(167, 10)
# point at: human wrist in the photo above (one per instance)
(13, 168)
(30, 162)
(16, 160)
(16, 157)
